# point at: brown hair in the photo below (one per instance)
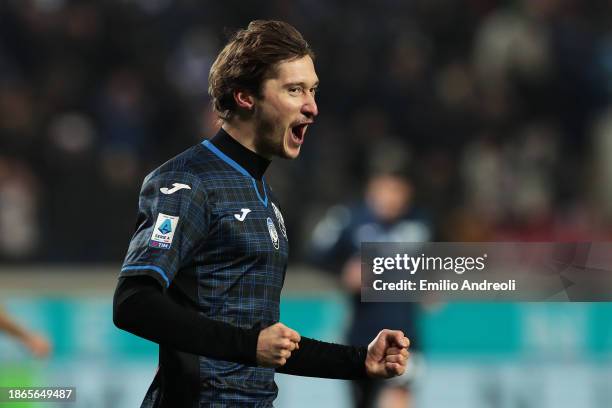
(250, 57)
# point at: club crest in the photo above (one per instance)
(273, 233)
(281, 221)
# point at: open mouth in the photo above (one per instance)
(298, 132)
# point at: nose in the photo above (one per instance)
(309, 108)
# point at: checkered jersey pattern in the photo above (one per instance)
(231, 264)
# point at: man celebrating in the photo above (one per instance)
(206, 265)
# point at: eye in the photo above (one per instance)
(295, 90)
(314, 91)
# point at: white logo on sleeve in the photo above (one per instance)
(243, 213)
(176, 187)
(163, 233)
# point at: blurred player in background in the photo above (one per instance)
(206, 265)
(38, 345)
(387, 214)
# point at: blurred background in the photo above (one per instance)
(445, 120)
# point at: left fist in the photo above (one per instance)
(387, 354)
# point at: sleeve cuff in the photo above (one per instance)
(362, 353)
(150, 270)
(251, 338)
(244, 345)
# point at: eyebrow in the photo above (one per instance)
(302, 84)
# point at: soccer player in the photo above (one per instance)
(206, 265)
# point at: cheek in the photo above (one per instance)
(274, 113)
(286, 108)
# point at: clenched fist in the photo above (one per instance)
(387, 354)
(275, 344)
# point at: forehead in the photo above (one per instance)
(299, 70)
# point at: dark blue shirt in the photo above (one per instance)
(217, 241)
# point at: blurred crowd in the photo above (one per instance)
(499, 108)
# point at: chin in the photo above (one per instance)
(291, 153)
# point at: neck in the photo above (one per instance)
(244, 133)
(253, 163)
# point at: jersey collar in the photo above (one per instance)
(254, 164)
(241, 159)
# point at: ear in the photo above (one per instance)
(244, 99)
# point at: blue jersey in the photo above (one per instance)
(218, 245)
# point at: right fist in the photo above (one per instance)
(275, 344)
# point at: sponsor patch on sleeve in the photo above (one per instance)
(163, 233)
